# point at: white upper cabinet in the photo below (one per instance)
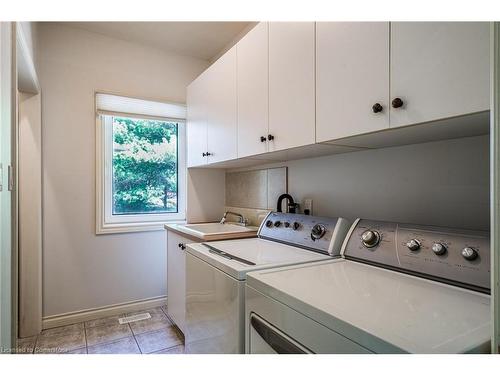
(352, 78)
(196, 132)
(438, 70)
(221, 111)
(253, 87)
(291, 84)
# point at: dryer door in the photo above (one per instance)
(266, 339)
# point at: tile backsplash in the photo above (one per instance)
(254, 193)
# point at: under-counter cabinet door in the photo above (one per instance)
(253, 86)
(352, 78)
(176, 278)
(196, 132)
(291, 85)
(221, 108)
(438, 70)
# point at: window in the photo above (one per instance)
(140, 164)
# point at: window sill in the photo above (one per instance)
(135, 227)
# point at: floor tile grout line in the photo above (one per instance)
(110, 342)
(135, 339)
(34, 344)
(86, 343)
(169, 348)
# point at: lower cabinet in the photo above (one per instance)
(176, 277)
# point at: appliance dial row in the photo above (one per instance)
(286, 224)
(437, 248)
(370, 238)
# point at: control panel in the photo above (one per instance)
(459, 257)
(321, 234)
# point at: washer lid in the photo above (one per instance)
(263, 253)
(382, 310)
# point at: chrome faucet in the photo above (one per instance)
(242, 219)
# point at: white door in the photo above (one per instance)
(176, 278)
(221, 108)
(352, 78)
(6, 115)
(253, 87)
(196, 132)
(291, 84)
(438, 70)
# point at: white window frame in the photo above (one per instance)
(106, 222)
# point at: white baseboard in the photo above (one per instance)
(101, 312)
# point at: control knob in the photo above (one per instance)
(317, 231)
(286, 224)
(277, 223)
(413, 244)
(439, 248)
(269, 223)
(296, 225)
(469, 253)
(370, 238)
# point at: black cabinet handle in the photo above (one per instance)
(270, 137)
(263, 139)
(182, 246)
(208, 154)
(397, 103)
(377, 107)
(204, 154)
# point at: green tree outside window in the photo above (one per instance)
(144, 166)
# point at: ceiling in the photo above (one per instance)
(203, 40)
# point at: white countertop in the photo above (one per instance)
(385, 311)
(213, 231)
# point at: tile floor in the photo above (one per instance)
(107, 336)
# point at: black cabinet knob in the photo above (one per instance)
(182, 246)
(377, 107)
(204, 154)
(270, 137)
(263, 139)
(397, 103)
(208, 154)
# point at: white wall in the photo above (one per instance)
(30, 215)
(82, 270)
(30, 33)
(443, 183)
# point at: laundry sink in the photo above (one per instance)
(214, 231)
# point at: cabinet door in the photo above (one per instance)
(176, 278)
(352, 75)
(291, 84)
(196, 132)
(438, 70)
(221, 108)
(253, 87)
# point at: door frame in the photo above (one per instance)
(495, 185)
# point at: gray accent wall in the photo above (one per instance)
(443, 183)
